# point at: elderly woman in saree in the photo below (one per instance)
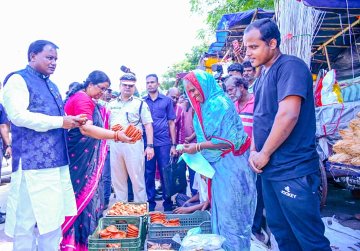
(224, 144)
(87, 152)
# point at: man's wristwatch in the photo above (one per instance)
(150, 145)
(7, 146)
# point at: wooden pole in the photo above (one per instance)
(336, 36)
(327, 58)
(254, 16)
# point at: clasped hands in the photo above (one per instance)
(258, 160)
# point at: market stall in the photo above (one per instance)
(333, 45)
(336, 47)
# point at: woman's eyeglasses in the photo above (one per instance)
(103, 89)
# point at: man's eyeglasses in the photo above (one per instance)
(151, 82)
(126, 85)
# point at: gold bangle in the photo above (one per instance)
(200, 147)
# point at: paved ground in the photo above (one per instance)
(340, 204)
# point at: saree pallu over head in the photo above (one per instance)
(87, 158)
(216, 118)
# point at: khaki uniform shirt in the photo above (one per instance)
(128, 112)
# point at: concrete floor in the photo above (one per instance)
(340, 204)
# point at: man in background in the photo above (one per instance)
(163, 114)
(235, 69)
(249, 75)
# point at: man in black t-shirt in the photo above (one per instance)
(283, 144)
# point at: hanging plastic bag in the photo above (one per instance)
(330, 90)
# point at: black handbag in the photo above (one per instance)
(174, 175)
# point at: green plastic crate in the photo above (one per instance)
(200, 219)
(121, 222)
(144, 217)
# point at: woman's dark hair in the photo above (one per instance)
(153, 75)
(38, 46)
(95, 77)
(237, 81)
(267, 28)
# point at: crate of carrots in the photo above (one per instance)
(167, 225)
(117, 234)
(140, 209)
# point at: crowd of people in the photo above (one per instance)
(258, 135)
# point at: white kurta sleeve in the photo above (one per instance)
(16, 102)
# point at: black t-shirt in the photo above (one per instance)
(297, 155)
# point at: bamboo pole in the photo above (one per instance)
(327, 58)
(254, 16)
(336, 36)
(321, 61)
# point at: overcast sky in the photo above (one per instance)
(146, 35)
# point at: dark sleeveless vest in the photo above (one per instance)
(39, 150)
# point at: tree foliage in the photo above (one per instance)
(215, 9)
(189, 63)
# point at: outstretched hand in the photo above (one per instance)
(189, 148)
(121, 136)
(182, 210)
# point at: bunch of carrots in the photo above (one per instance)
(131, 131)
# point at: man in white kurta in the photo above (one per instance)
(127, 160)
(39, 199)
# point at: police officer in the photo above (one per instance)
(126, 159)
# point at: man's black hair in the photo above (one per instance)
(267, 28)
(236, 67)
(38, 46)
(153, 75)
(247, 64)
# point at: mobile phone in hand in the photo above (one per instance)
(235, 44)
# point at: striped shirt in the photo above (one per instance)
(246, 114)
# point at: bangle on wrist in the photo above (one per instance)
(7, 146)
(150, 145)
(116, 137)
(173, 145)
(197, 147)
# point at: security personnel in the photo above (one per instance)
(126, 159)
